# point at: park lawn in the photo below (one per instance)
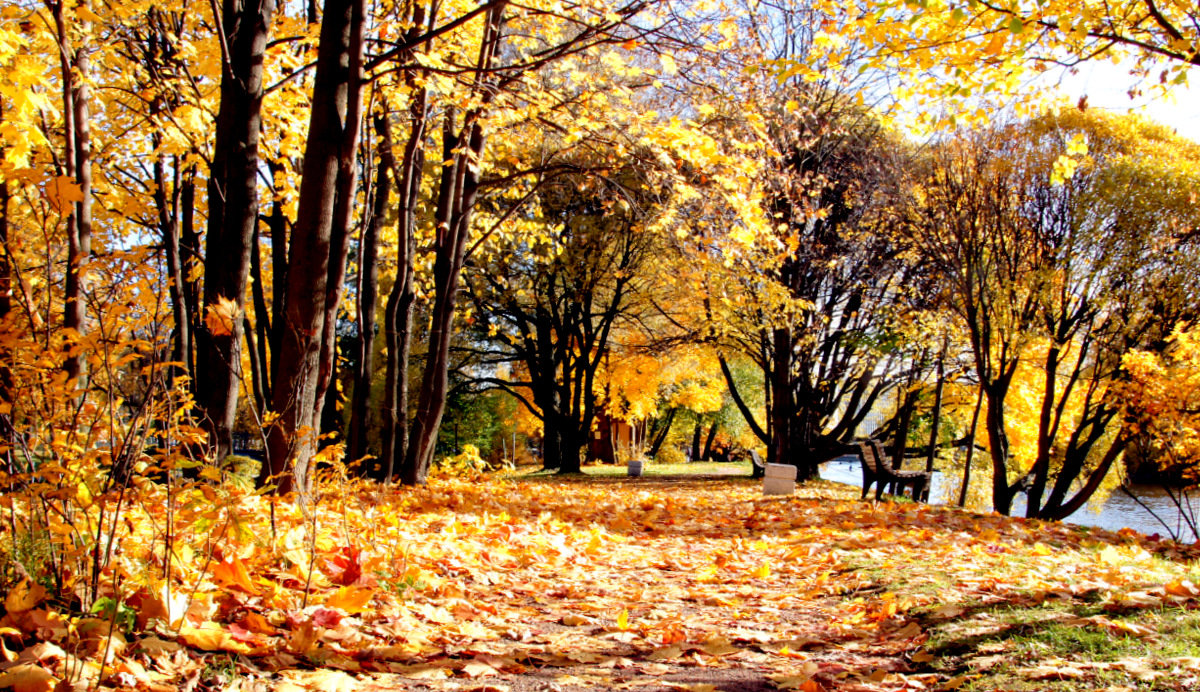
(600, 582)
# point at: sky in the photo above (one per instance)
(1107, 87)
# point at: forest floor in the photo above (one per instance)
(659, 583)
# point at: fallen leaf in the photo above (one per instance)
(1053, 672)
(352, 599)
(475, 669)
(155, 646)
(28, 678)
(575, 620)
(719, 647)
(24, 596)
(665, 653)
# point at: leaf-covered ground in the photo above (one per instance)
(610, 583)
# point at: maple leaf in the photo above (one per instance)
(63, 191)
(233, 572)
(352, 599)
(221, 317)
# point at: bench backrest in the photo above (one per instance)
(869, 458)
(881, 455)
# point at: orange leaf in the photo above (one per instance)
(352, 599)
(221, 317)
(233, 572)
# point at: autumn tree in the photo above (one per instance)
(550, 301)
(1062, 271)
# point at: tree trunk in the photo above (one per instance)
(1002, 493)
(935, 427)
(397, 320)
(168, 223)
(452, 221)
(189, 250)
(232, 210)
(258, 335)
(1041, 463)
(368, 293)
(75, 65)
(782, 410)
(333, 136)
(966, 481)
(661, 435)
(709, 439)
(7, 433)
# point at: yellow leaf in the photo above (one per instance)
(476, 669)
(24, 596)
(996, 45)
(28, 678)
(623, 620)
(763, 571)
(352, 599)
(63, 191)
(211, 637)
(1110, 555)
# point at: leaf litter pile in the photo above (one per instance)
(488, 584)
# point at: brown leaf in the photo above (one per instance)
(665, 653)
(28, 678)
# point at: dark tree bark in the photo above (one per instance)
(302, 371)
(457, 193)
(660, 435)
(368, 291)
(7, 433)
(966, 480)
(169, 222)
(935, 426)
(232, 209)
(74, 63)
(709, 439)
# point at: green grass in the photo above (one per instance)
(998, 647)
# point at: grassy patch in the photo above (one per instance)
(1068, 646)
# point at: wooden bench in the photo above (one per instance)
(760, 467)
(877, 469)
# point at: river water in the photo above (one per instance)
(1117, 512)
